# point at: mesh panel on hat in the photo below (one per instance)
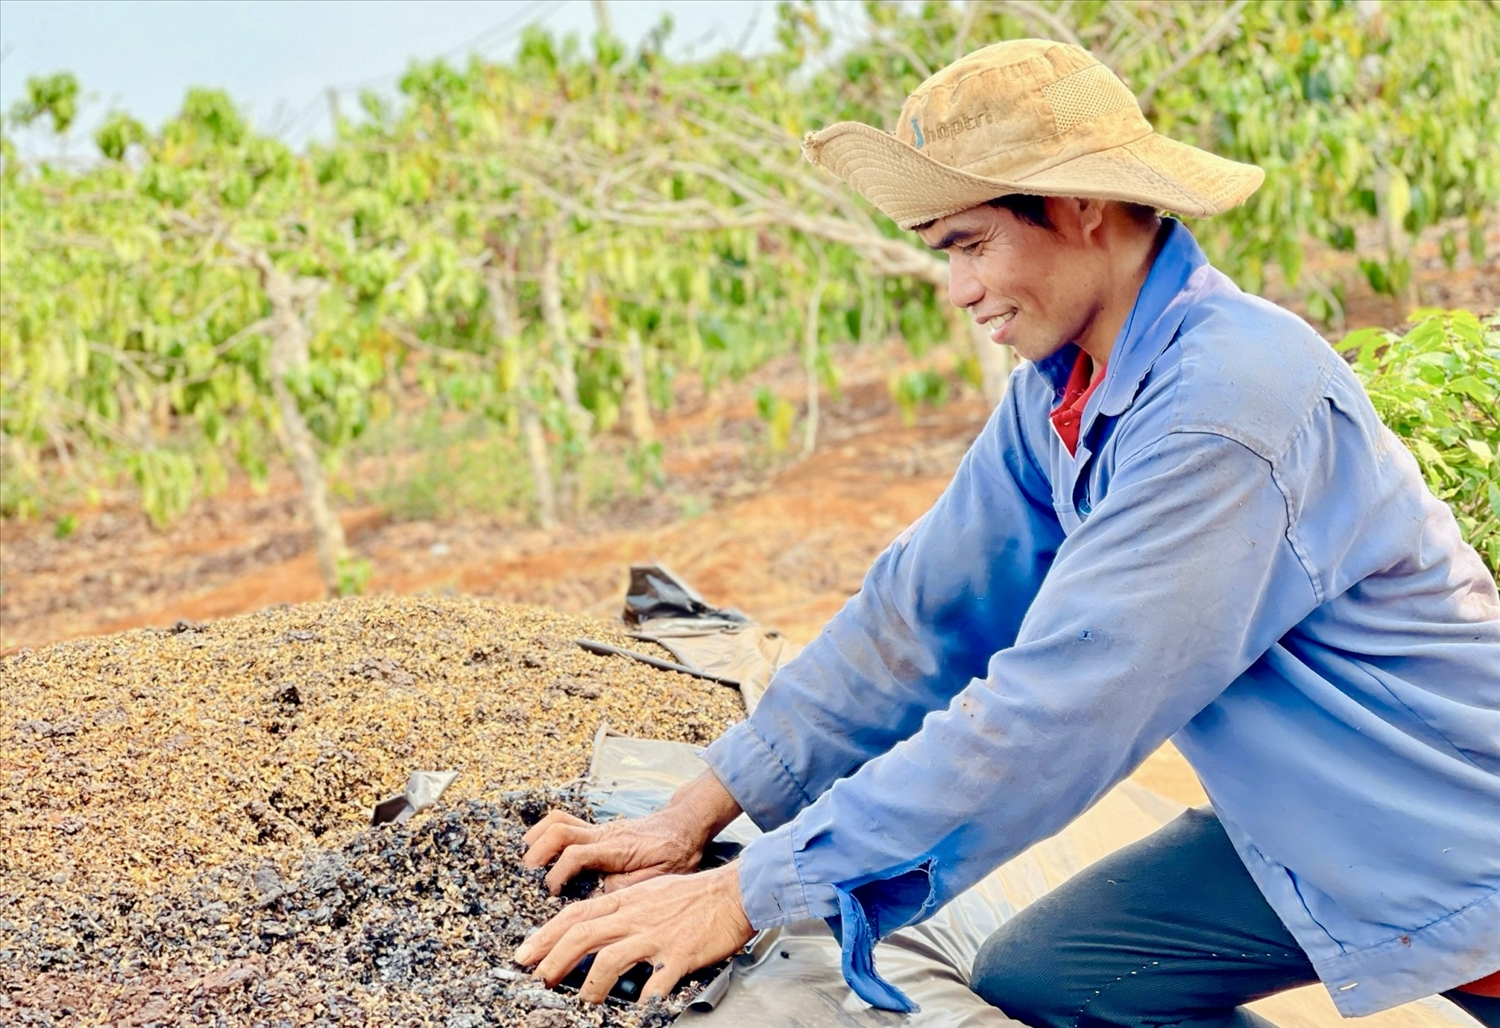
(1086, 95)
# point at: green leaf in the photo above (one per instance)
(1428, 452)
(1473, 388)
(414, 298)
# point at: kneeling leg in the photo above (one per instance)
(1169, 931)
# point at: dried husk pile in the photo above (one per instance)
(157, 787)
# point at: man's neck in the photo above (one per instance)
(1133, 254)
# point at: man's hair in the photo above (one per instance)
(1030, 209)
(1033, 209)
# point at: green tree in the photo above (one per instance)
(49, 96)
(553, 241)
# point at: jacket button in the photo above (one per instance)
(1084, 508)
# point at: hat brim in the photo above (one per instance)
(913, 189)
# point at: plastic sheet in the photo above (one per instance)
(633, 777)
(656, 593)
(423, 789)
(708, 641)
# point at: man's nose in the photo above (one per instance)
(964, 290)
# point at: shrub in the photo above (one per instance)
(1438, 388)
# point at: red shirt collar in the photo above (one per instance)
(1067, 416)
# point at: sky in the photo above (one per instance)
(279, 59)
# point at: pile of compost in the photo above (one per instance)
(185, 812)
(410, 924)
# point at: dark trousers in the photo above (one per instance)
(1169, 931)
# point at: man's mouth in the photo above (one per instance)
(998, 323)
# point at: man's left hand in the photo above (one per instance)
(675, 923)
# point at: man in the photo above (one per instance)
(1184, 521)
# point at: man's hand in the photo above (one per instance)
(670, 841)
(676, 923)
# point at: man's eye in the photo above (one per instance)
(970, 249)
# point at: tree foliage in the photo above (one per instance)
(1438, 388)
(50, 96)
(550, 242)
(1366, 117)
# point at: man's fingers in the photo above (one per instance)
(554, 817)
(610, 962)
(577, 942)
(614, 883)
(596, 856)
(664, 978)
(541, 943)
(675, 923)
(557, 838)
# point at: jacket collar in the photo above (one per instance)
(1154, 319)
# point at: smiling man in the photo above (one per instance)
(1184, 521)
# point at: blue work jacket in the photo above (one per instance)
(1240, 558)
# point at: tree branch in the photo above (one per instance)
(1227, 23)
(1025, 10)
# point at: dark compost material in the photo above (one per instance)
(410, 924)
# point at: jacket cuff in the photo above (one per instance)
(760, 783)
(771, 886)
(773, 894)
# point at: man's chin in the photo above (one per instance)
(1032, 349)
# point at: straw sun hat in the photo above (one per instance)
(1025, 116)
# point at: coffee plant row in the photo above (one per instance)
(550, 242)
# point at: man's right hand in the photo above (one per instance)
(670, 841)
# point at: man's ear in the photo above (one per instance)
(1090, 213)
